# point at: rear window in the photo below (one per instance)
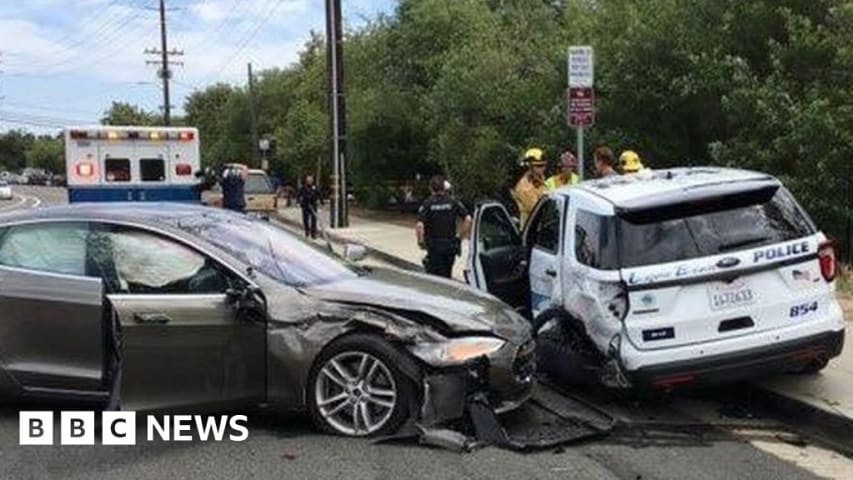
(152, 169)
(117, 169)
(768, 218)
(258, 183)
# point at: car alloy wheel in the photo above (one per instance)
(355, 393)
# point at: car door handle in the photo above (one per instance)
(551, 272)
(151, 318)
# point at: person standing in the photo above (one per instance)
(436, 228)
(566, 175)
(234, 189)
(605, 162)
(309, 199)
(531, 185)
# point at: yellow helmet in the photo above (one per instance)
(630, 162)
(534, 156)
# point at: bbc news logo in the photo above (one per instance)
(120, 428)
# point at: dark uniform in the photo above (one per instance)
(439, 214)
(309, 197)
(234, 192)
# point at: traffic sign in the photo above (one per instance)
(581, 70)
(581, 106)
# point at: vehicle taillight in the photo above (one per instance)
(186, 135)
(826, 257)
(85, 169)
(183, 169)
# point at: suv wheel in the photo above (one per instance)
(355, 388)
(560, 349)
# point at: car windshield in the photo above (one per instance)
(766, 220)
(272, 250)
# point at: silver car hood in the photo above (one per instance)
(457, 306)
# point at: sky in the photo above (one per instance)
(65, 61)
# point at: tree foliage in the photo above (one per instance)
(464, 86)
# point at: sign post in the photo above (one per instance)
(581, 95)
(264, 147)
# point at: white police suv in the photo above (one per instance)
(666, 278)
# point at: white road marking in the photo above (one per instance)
(21, 200)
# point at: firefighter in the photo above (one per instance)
(436, 228)
(566, 175)
(630, 162)
(531, 185)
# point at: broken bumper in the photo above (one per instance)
(504, 379)
(752, 363)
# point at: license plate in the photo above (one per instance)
(724, 296)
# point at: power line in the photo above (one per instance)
(110, 28)
(246, 39)
(165, 71)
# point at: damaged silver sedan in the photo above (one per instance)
(178, 307)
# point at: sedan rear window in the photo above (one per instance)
(770, 217)
(47, 247)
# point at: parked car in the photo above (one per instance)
(213, 309)
(666, 278)
(5, 190)
(261, 197)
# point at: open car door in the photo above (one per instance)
(52, 326)
(497, 257)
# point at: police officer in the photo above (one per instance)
(309, 197)
(234, 189)
(436, 228)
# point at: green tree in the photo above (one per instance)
(46, 152)
(121, 113)
(13, 147)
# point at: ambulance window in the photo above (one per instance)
(117, 170)
(152, 169)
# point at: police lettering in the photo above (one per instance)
(781, 251)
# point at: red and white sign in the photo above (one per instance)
(581, 106)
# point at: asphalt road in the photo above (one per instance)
(707, 435)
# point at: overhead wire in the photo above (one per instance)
(97, 36)
(246, 39)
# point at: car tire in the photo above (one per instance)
(560, 349)
(326, 382)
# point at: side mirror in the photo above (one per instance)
(247, 298)
(355, 252)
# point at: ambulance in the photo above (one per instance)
(132, 164)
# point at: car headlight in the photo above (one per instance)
(456, 351)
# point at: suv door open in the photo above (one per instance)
(497, 257)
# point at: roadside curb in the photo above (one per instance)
(340, 240)
(832, 426)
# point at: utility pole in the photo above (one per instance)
(253, 117)
(164, 72)
(337, 109)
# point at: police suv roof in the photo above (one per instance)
(651, 188)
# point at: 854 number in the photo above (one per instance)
(802, 309)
